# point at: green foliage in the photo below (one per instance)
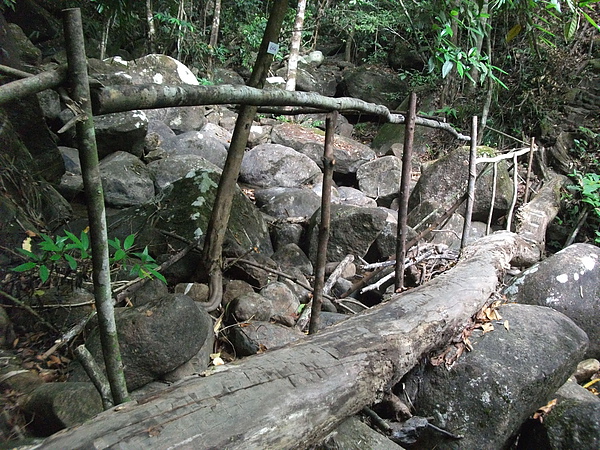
(588, 187)
(174, 22)
(371, 24)
(4, 4)
(71, 255)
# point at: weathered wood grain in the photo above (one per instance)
(293, 396)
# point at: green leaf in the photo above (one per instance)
(24, 267)
(119, 255)
(73, 238)
(28, 254)
(114, 243)
(571, 27)
(446, 68)
(48, 244)
(72, 262)
(85, 241)
(590, 20)
(129, 240)
(158, 275)
(44, 273)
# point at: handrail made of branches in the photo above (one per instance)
(111, 99)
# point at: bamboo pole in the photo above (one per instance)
(409, 134)
(328, 163)
(88, 155)
(471, 185)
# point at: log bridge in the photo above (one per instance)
(294, 396)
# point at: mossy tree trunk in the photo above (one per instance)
(88, 155)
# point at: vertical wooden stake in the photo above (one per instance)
(529, 167)
(515, 192)
(493, 200)
(88, 155)
(328, 163)
(409, 134)
(471, 185)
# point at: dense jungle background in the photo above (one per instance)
(528, 69)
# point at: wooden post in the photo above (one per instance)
(215, 234)
(515, 192)
(529, 167)
(88, 155)
(328, 163)
(471, 184)
(409, 134)
(493, 200)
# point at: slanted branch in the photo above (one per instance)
(295, 395)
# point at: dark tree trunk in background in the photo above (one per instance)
(151, 27)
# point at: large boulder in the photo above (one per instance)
(200, 144)
(445, 179)
(52, 407)
(258, 336)
(569, 282)
(490, 391)
(269, 165)
(574, 422)
(155, 338)
(571, 424)
(167, 170)
(374, 85)
(380, 178)
(309, 78)
(290, 202)
(185, 209)
(352, 231)
(126, 180)
(349, 155)
(124, 131)
(28, 53)
(157, 69)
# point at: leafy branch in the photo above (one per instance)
(66, 254)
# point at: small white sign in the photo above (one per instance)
(273, 48)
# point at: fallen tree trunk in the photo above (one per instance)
(294, 396)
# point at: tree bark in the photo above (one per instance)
(328, 165)
(294, 396)
(214, 35)
(151, 27)
(295, 47)
(471, 184)
(88, 155)
(409, 134)
(214, 31)
(32, 84)
(126, 98)
(215, 235)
